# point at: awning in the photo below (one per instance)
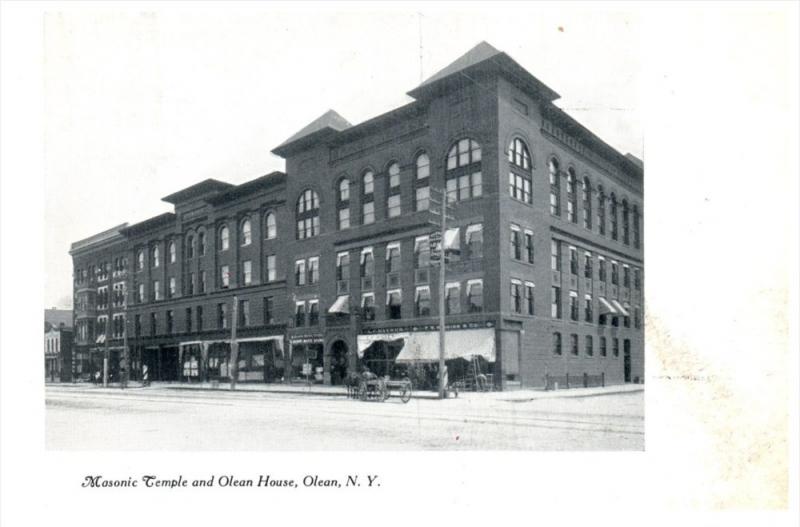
(464, 343)
(620, 308)
(365, 341)
(606, 307)
(452, 240)
(342, 305)
(100, 339)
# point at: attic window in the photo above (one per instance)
(520, 106)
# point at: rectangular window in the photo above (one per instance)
(202, 281)
(247, 272)
(452, 298)
(141, 294)
(422, 252)
(555, 302)
(423, 198)
(156, 290)
(516, 296)
(269, 309)
(614, 272)
(199, 315)
(587, 265)
(464, 187)
(393, 257)
(516, 242)
(271, 270)
(556, 343)
(474, 236)
(300, 272)
(452, 190)
(475, 296)
(555, 255)
(368, 306)
(172, 287)
(573, 344)
(519, 187)
(603, 347)
(368, 213)
(529, 303)
(573, 260)
(393, 205)
(190, 286)
(299, 314)
(422, 301)
(637, 279)
(367, 263)
(637, 318)
(313, 312)
(137, 325)
(602, 268)
(170, 322)
(626, 276)
(222, 316)
(344, 218)
(244, 313)
(394, 302)
(343, 266)
(573, 305)
(188, 320)
(153, 324)
(616, 347)
(588, 316)
(589, 346)
(224, 276)
(313, 270)
(529, 245)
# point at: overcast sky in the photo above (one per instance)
(141, 104)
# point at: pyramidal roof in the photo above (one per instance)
(479, 53)
(328, 120)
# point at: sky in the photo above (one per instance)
(142, 103)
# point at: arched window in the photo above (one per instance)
(555, 187)
(572, 196)
(636, 227)
(519, 177)
(344, 190)
(224, 238)
(613, 213)
(171, 248)
(307, 214)
(463, 175)
(201, 243)
(189, 246)
(625, 223)
(393, 208)
(422, 181)
(586, 199)
(245, 233)
(601, 210)
(518, 154)
(343, 204)
(140, 260)
(368, 198)
(270, 227)
(154, 261)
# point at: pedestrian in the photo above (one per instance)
(97, 377)
(145, 375)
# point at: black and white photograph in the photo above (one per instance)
(358, 256)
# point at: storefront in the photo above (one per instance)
(306, 359)
(260, 359)
(470, 351)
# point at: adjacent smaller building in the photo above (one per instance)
(58, 345)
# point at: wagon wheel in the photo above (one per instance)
(405, 392)
(383, 391)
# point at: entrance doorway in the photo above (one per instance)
(338, 362)
(627, 359)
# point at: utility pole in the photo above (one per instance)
(442, 225)
(107, 352)
(234, 369)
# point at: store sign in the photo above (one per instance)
(306, 339)
(429, 327)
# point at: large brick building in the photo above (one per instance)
(329, 262)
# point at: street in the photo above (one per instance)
(89, 418)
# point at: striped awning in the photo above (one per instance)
(606, 308)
